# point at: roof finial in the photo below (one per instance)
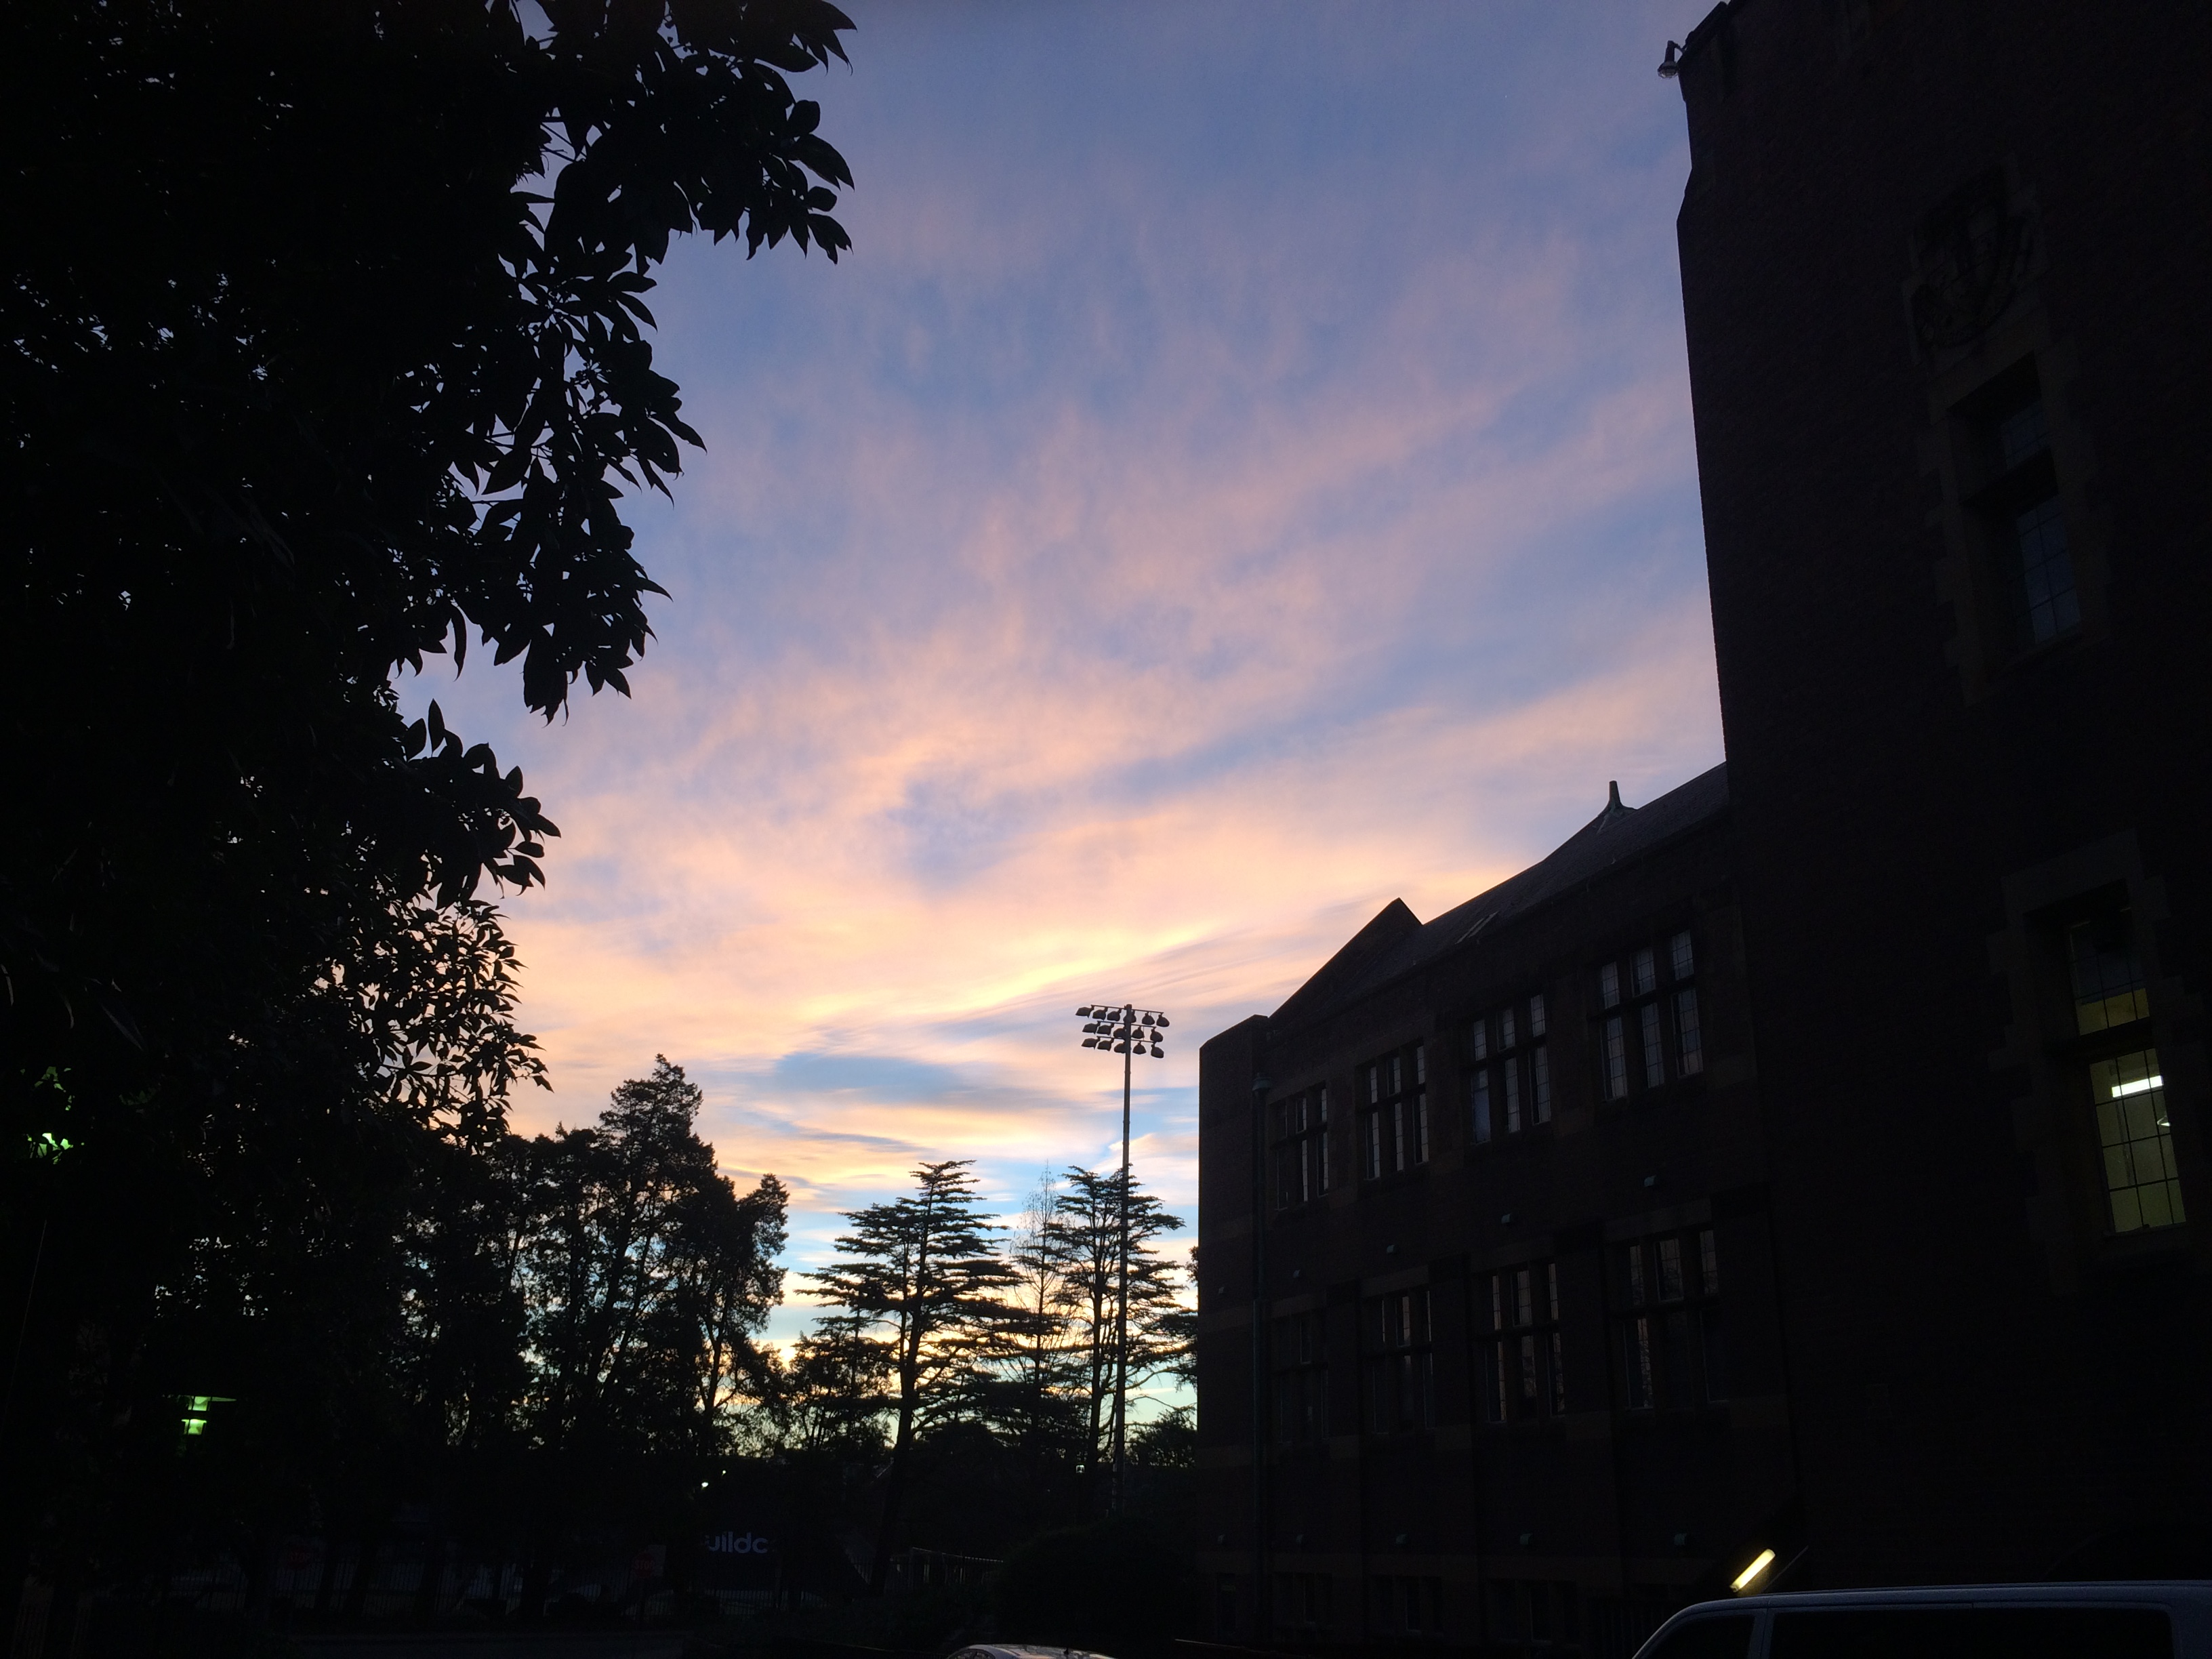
(1612, 797)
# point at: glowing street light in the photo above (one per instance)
(1127, 1030)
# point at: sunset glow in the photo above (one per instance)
(1242, 474)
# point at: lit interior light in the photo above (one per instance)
(2141, 1085)
(1760, 1563)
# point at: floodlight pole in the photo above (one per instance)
(1123, 1027)
(1122, 1289)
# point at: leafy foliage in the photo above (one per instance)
(323, 351)
(646, 1277)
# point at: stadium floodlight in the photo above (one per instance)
(1127, 1030)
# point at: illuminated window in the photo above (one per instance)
(1523, 1374)
(2136, 1138)
(2111, 997)
(1670, 1323)
(1301, 1147)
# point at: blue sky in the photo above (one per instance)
(1241, 474)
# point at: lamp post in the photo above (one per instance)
(1127, 1030)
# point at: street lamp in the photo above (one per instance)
(1127, 1030)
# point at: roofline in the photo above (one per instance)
(1487, 933)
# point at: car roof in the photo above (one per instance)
(2197, 1591)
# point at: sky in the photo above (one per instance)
(1241, 474)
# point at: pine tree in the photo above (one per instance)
(1085, 1242)
(923, 1271)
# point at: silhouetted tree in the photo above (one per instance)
(644, 1277)
(922, 1270)
(322, 347)
(1085, 1241)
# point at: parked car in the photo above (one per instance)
(1023, 1650)
(2151, 1620)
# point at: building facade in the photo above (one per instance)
(1526, 1308)
(1944, 270)
(1489, 1344)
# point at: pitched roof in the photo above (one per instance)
(1396, 941)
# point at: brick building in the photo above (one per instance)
(1944, 273)
(1895, 1272)
(1519, 1371)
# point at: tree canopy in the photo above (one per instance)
(324, 351)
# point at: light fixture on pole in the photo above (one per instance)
(1126, 1030)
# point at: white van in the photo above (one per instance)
(2164, 1621)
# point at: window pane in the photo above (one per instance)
(1957, 1632)
(1512, 1070)
(1690, 1039)
(1681, 961)
(1421, 1127)
(2050, 607)
(1497, 1302)
(1477, 1039)
(1374, 1084)
(1636, 1275)
(1540, 1071)
(1531, 1383)
(1397, 1073)
(1478, 1089)
(1670, 1270)
(1654, 1058)
(1616, 1060)
(1608, 985)
(1398, 1134)
(1647, 972)
(2020, 434)
(2136, 1138)
(1552, 1291)
(1505, 1037)
(1559, 1379)
(1523, 1298)
(1493, 1382)
(1536, 1015)
(2108, 977)
(1727, 1636)
(1678, 1359)
(1639, 1363)
(1421, 1062)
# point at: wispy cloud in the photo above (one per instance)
(1177, 530)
